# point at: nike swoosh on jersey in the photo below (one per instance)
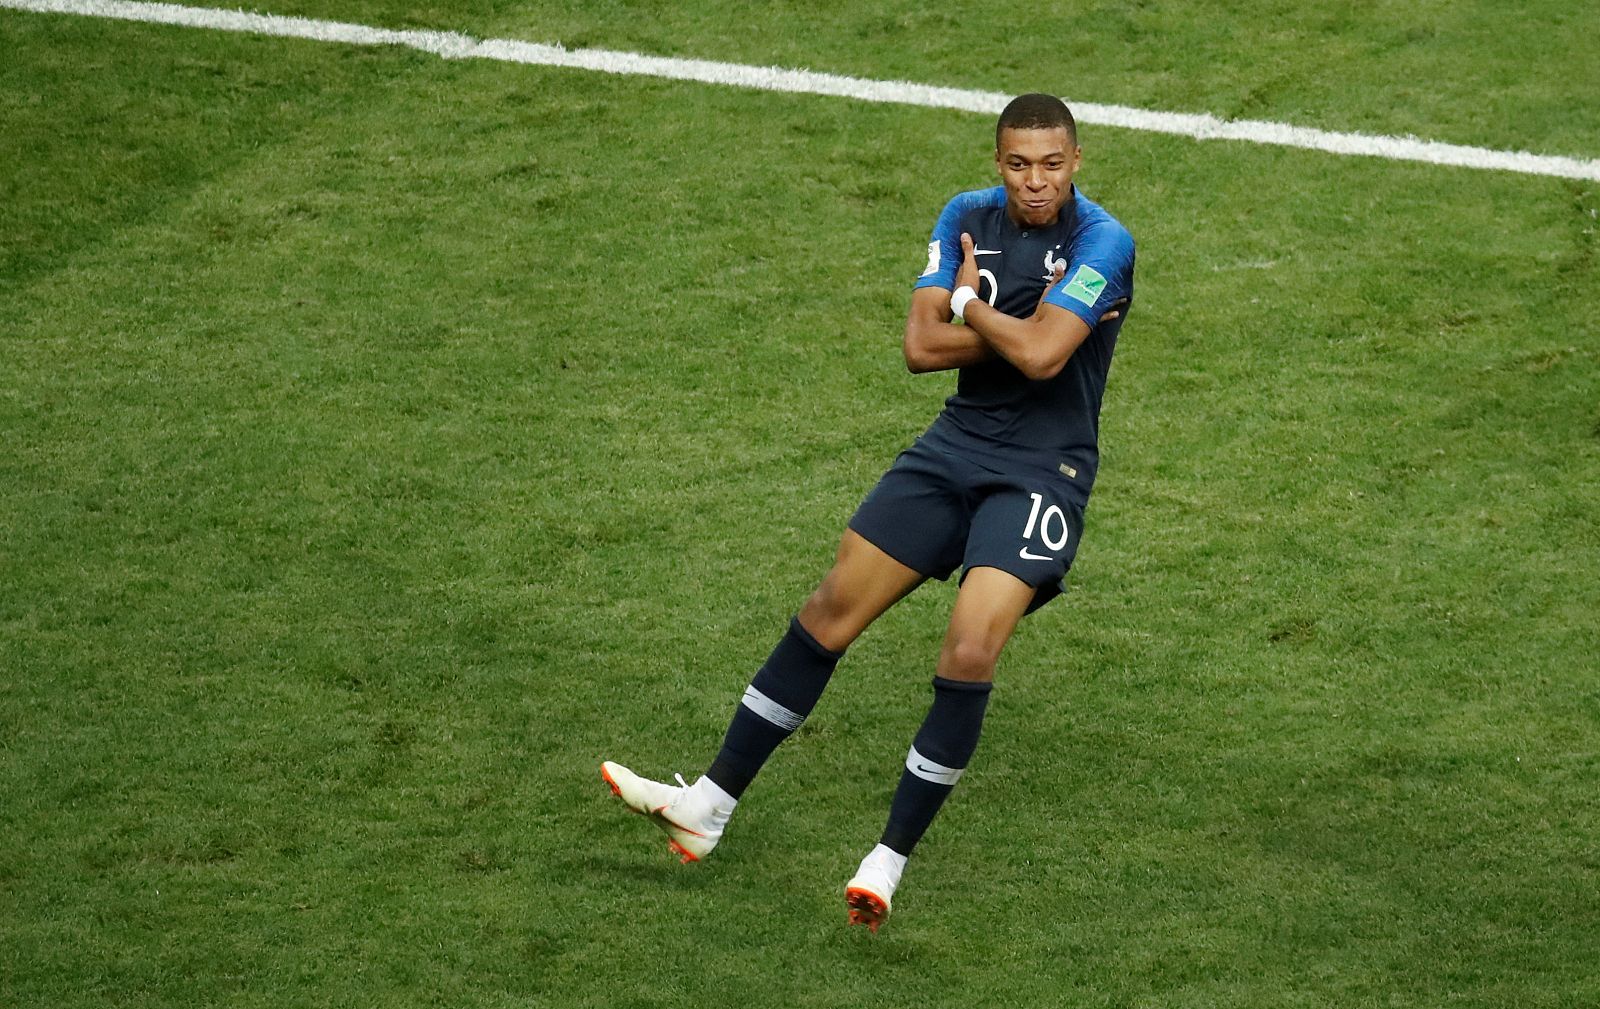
(1025, 555)
(987, 252)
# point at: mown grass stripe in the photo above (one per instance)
(453, 45)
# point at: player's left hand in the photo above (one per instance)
(967, 275)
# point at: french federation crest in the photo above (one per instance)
(1051, 264)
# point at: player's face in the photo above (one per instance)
(1037, 168)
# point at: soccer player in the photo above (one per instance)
(1026, 288)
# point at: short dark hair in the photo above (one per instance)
(1036, 111)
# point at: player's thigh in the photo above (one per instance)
(919, 511)
(988, 607)
(1029, 527)
(863, 582)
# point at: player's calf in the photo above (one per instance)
(779, 698)
(938, 757)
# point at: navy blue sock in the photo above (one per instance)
(939, 754)
(784, 691)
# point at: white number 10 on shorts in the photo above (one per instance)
(1043, 523)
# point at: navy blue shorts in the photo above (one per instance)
(934, 510)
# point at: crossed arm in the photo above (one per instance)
(1038, 346)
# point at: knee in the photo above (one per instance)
(969, 658)
(826, 616)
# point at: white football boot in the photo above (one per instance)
(692, 815)
(870, 892)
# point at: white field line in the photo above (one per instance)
(452, 45)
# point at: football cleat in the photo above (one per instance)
(692, 820)
(870, 892)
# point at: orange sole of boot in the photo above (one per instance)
(866, 908)
(679, 849)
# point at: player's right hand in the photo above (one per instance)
(1116, 307)
(1056, 275)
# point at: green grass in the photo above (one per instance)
(388, 440)
(1473, 72)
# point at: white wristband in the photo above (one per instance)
(960, 300)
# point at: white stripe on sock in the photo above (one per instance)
(929, 770)
(771, 710)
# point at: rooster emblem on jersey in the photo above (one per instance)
(1052, 264)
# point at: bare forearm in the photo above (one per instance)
(939, 346)
(1039, 346)
(1016, 340)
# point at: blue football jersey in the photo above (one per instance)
(998, 416)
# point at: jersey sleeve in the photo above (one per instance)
(1099, 274)
(944, 247)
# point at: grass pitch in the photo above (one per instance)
(388, 440)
